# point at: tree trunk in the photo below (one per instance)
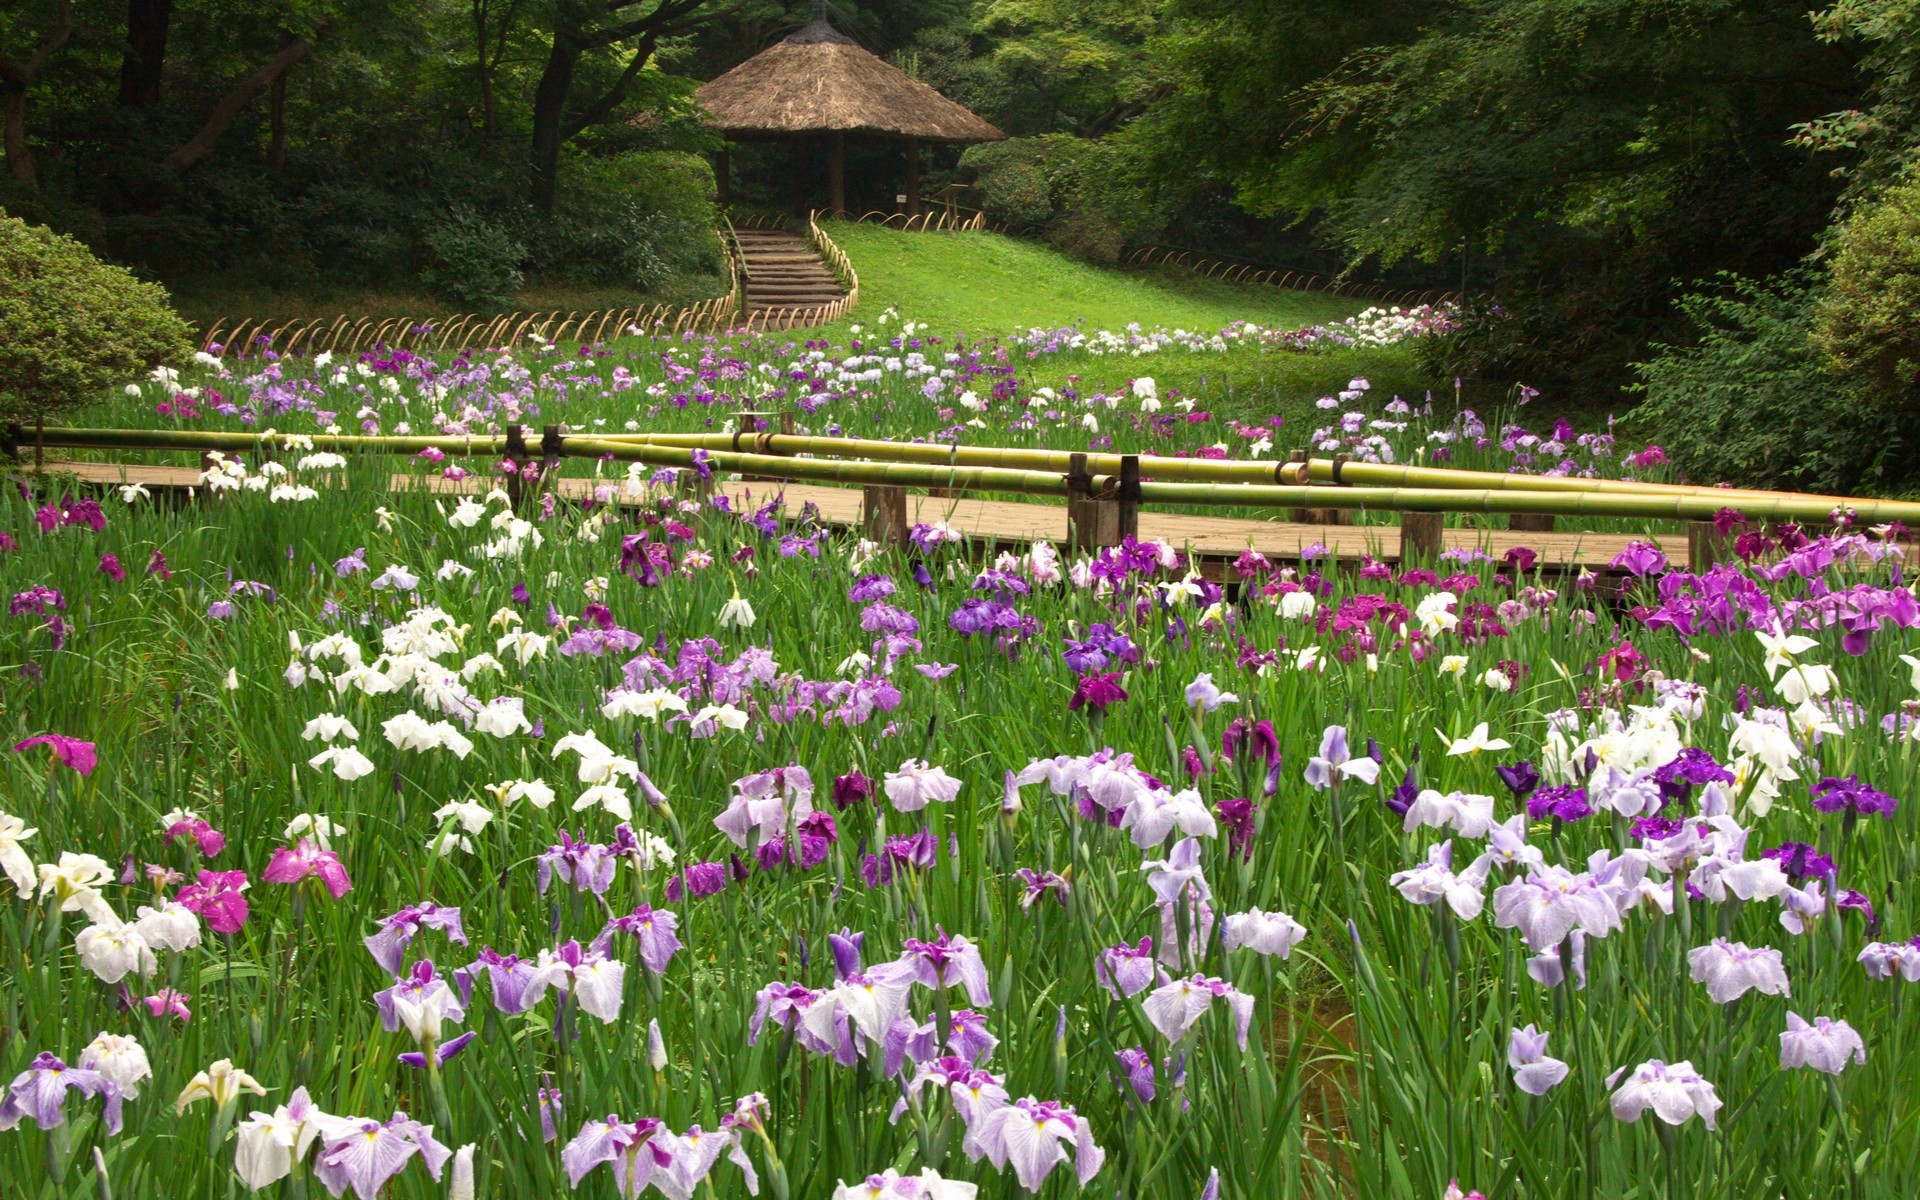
(14, 78)
(141, 66)
(19, 156)
(549, 109)
(277, 125)
(234, 103)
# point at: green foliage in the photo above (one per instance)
(1073, 191)
(1879, 139)
(72, 326)
(474, 260)
(637, 219)
(1751, 401)
(1868, 322)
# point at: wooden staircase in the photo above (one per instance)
(786, 281)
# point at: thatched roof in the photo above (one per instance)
(819, 81)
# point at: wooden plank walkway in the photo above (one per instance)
(1217, 540)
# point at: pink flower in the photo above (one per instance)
(220, 899)
(210, 840)
(169, 1003)
(291, 865)
(79, 755)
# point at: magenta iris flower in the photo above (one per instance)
(81, 756)
(219, 899)
(1097, 692)
(304, 858)
(210, 840)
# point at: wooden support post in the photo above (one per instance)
(837, 174)
(1705, 546)
(786, 421)
(1093, 521)
(913, 177)
(1422, 537)
(883, 510)
(551, 449)
(1129, 497)
(1530, 523)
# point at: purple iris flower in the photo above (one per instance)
(1126, 970)
(1567, 804)
(40, 1092)
(442, 1053)
(1801, 861)
(1832, 795)
(1641, 559)
(947, 962)
(845, 946)
(701, 879)
(586, 865)
(511, 977)
(1257, 737)
(1858, 902)
(1691, 768)
(1521, 778)
(1533, 1072)
(869, 588)
(1137, 1065)
(389, 946)
(366, 1154)
(656, 930)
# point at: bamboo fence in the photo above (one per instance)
(1235, 271)
(1122, 477)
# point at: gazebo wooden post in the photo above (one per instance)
(913, 177)
(722, 176)
(837, 173)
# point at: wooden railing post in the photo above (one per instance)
(1129, 497)
(1093, 522)
(1705, 546)
(1530, 523)
(1422, 536)
(883, 512)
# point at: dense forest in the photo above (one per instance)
(1716, 190)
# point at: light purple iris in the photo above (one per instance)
(1674, 1091)
(1336, 762)
(1551, 903)
(366, 1154)
(1885, 960)
(510, 976)
(948, 962)
(1732, 969)
(846, 952)
(1825, 1045)
(1434, 881)
(627, 1147)
(389, 946)
(40, 1092)
(585, 865)
(1175, 1008)
(1033, 1136)
(656, 929)
(1533, 1072)
(1179, 871)
(1126, 970)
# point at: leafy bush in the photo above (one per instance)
(636, 219)
(474, 260)
(72, 326)
(1752, 402)
(1082, 193)
(1868, 322)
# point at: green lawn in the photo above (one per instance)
(988, 283)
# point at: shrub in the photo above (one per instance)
(633, 219)
(72, 326)
(1753, 403)
(473, 260)
(1868, 322)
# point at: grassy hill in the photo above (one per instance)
(988, 283)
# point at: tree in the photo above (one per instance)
(15, 75)
(581, 27)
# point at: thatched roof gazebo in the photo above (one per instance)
(818, 81)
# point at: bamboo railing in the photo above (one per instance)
(1125, 479)
(1236, 271)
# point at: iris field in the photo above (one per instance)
(364, 840)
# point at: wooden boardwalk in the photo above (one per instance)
(1217, 540)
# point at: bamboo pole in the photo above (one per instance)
(1321, 470)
